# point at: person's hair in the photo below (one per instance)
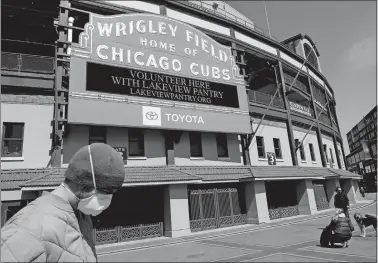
(337, 188)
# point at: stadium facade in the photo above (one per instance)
(218, 123)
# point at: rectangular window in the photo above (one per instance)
(357, 157)
(312, 152)
(325, 152)
(195, 144)
(260, 146)
(222, 145)
(341, 158)
(373, 167)
(136, 142)
(301, 150)
(277, 148)
(331, 154)
(13, 138)
(97, 134)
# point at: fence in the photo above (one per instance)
(127, 233)
(263, 98)
(281, 212)
(325, 120)
(27, 63)
(297, 84)
(215, 208)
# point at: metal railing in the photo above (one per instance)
(202, 5)
(282, 212)
(27, 63)
(297, 84)
(325, 119)
(127, 233)
(263, 98)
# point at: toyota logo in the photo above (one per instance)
(151, 116)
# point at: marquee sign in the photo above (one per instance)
(149, 59)
(157, 43)
(299, 108)
(133, 82)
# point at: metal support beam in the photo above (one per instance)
(318, 130)
(289, 126)
(333, 132)
(336, 150)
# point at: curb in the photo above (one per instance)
(194, 239)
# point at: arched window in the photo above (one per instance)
(312, 58)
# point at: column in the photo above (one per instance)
(357, 190)
(176, 211)
(306, 197)
(256, 203)
(4, 207)
(350, 191)
(331, 185)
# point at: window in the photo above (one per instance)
(260, 146)
(325, 152)
(331, 153)
(301, 150)
(195, 144)
(222, 145)
(341, 158)
(277, 148)
(357, 157)
(312, 152)
(373, 167)
(136, 142)
(311, 57)
(97, 134)
(13, 138)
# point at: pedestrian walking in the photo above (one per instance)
(57, 227)
(342, 201)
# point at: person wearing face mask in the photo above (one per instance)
(57, 227)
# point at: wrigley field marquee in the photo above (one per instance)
(156, 59)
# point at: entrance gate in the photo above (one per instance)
(320, 196)
(214, 208)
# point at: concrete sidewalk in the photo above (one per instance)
(164, 241)
(290, 240)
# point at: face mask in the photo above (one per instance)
(96, 203)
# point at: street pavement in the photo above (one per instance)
(289, 240)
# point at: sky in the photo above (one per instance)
(345, 33)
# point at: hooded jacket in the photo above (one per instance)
(342, 226)
(48, 230)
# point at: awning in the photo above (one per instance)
(273, 172)
(135, 176)
(218, 173)
(345, 174)
(321, 171)
(11, 179)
